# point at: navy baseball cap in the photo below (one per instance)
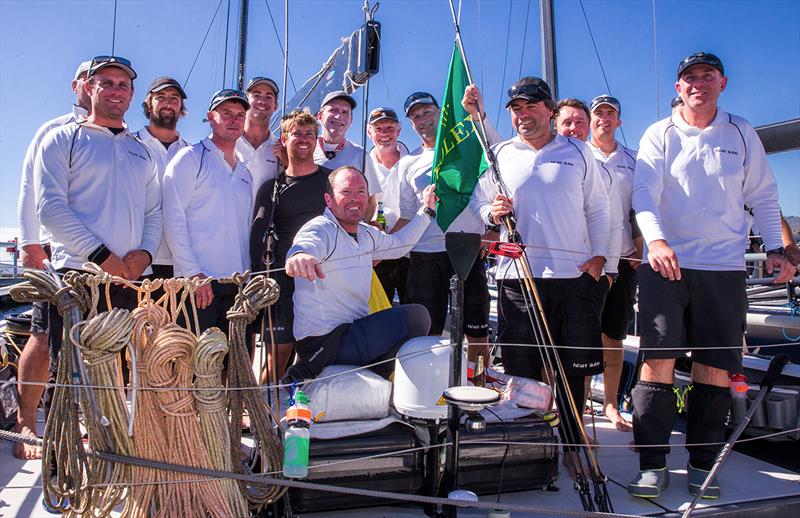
(228, 94)
(607, 100)
(101, 62)
(418, 98)
(530, 88)
(339, 94)
(260, 79)
(381, 113)
(700, 57)
(164, 82)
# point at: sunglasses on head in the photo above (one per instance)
(529, 90)
(100, 60)
(418, 96)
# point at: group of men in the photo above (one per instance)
(597, 218)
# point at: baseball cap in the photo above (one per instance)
(339, 94)
(260, 79)
(83, 68)
(228, 94)
(607, 100)
(698, 58)
(418, 98)
(101, 62)
(676, 101)
(381, 113)
(164, 82)
(530, 88)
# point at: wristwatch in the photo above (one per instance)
(430, 212)
(780, 251)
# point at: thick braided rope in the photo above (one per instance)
(254, 295)
(212, 408)
(169, 365)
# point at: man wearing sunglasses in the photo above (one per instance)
(695, 172)
(556, 195)
(257, 146)
(163, 107)
(334, 149)
(34, 362)
(207, 194)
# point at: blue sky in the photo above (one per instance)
(41, 43)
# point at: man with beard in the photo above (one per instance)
(207, 198)
(557, 197)
(384, 129)
(331, 262)
(257, 146)
(284, 204)
(429, 269)
(334, 149)
(35, 360)
(695, 172)
(163, 106)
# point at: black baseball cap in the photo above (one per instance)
(700, 57)
(260, 79)
(530, 88)
(607, 100)
(164, 82)
(418, 98)
(228, 94)
(381, 113)
(101, 62)
(339, 94)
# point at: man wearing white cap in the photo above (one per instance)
(334, 149)
(34, 361)
(208, 198)
(256, 147)
(619, 162)
(163, 106)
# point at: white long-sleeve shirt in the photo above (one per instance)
(207, 212)
(162, 155)
(615, 216)
(343, 295)
(691, 186)
(622, 164)
(96, 188)
(261, 162)
(30, 231)
(560, 204)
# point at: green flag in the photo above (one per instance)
(458, 158)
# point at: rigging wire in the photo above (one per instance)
(225, 61)
(280, 44)
(480, 45)
(505, 64)
(114, 30)
(524, 37)
(285, 50)
(202, 44)
(600, 62)
(655, 64)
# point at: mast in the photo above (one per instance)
(240, 71)
(549, 70)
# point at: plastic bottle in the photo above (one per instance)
(381, 218)
(739, 388)
(296, 439)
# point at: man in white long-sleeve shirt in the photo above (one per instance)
(556, 194)
(163, 107)
(429, 269)
(695, 172)
(331, 261)
(256, 146)
(34, 362)
(207, 194)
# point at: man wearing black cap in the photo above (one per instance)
(34, 361)
(384, 129)
(429, 269)
(619, 162)
(207, 199)
(163, 106)
(256, 147)
(555, 192)
(694, 173)
(334, 149)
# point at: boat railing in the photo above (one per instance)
(12, 248)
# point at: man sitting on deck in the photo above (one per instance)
(331, 260)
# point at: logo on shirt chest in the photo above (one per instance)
(724, 151)
(561, 162)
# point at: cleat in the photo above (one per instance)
(649, 483)
(696, 477)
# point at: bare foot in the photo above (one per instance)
(26, 451)
(617, 420)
